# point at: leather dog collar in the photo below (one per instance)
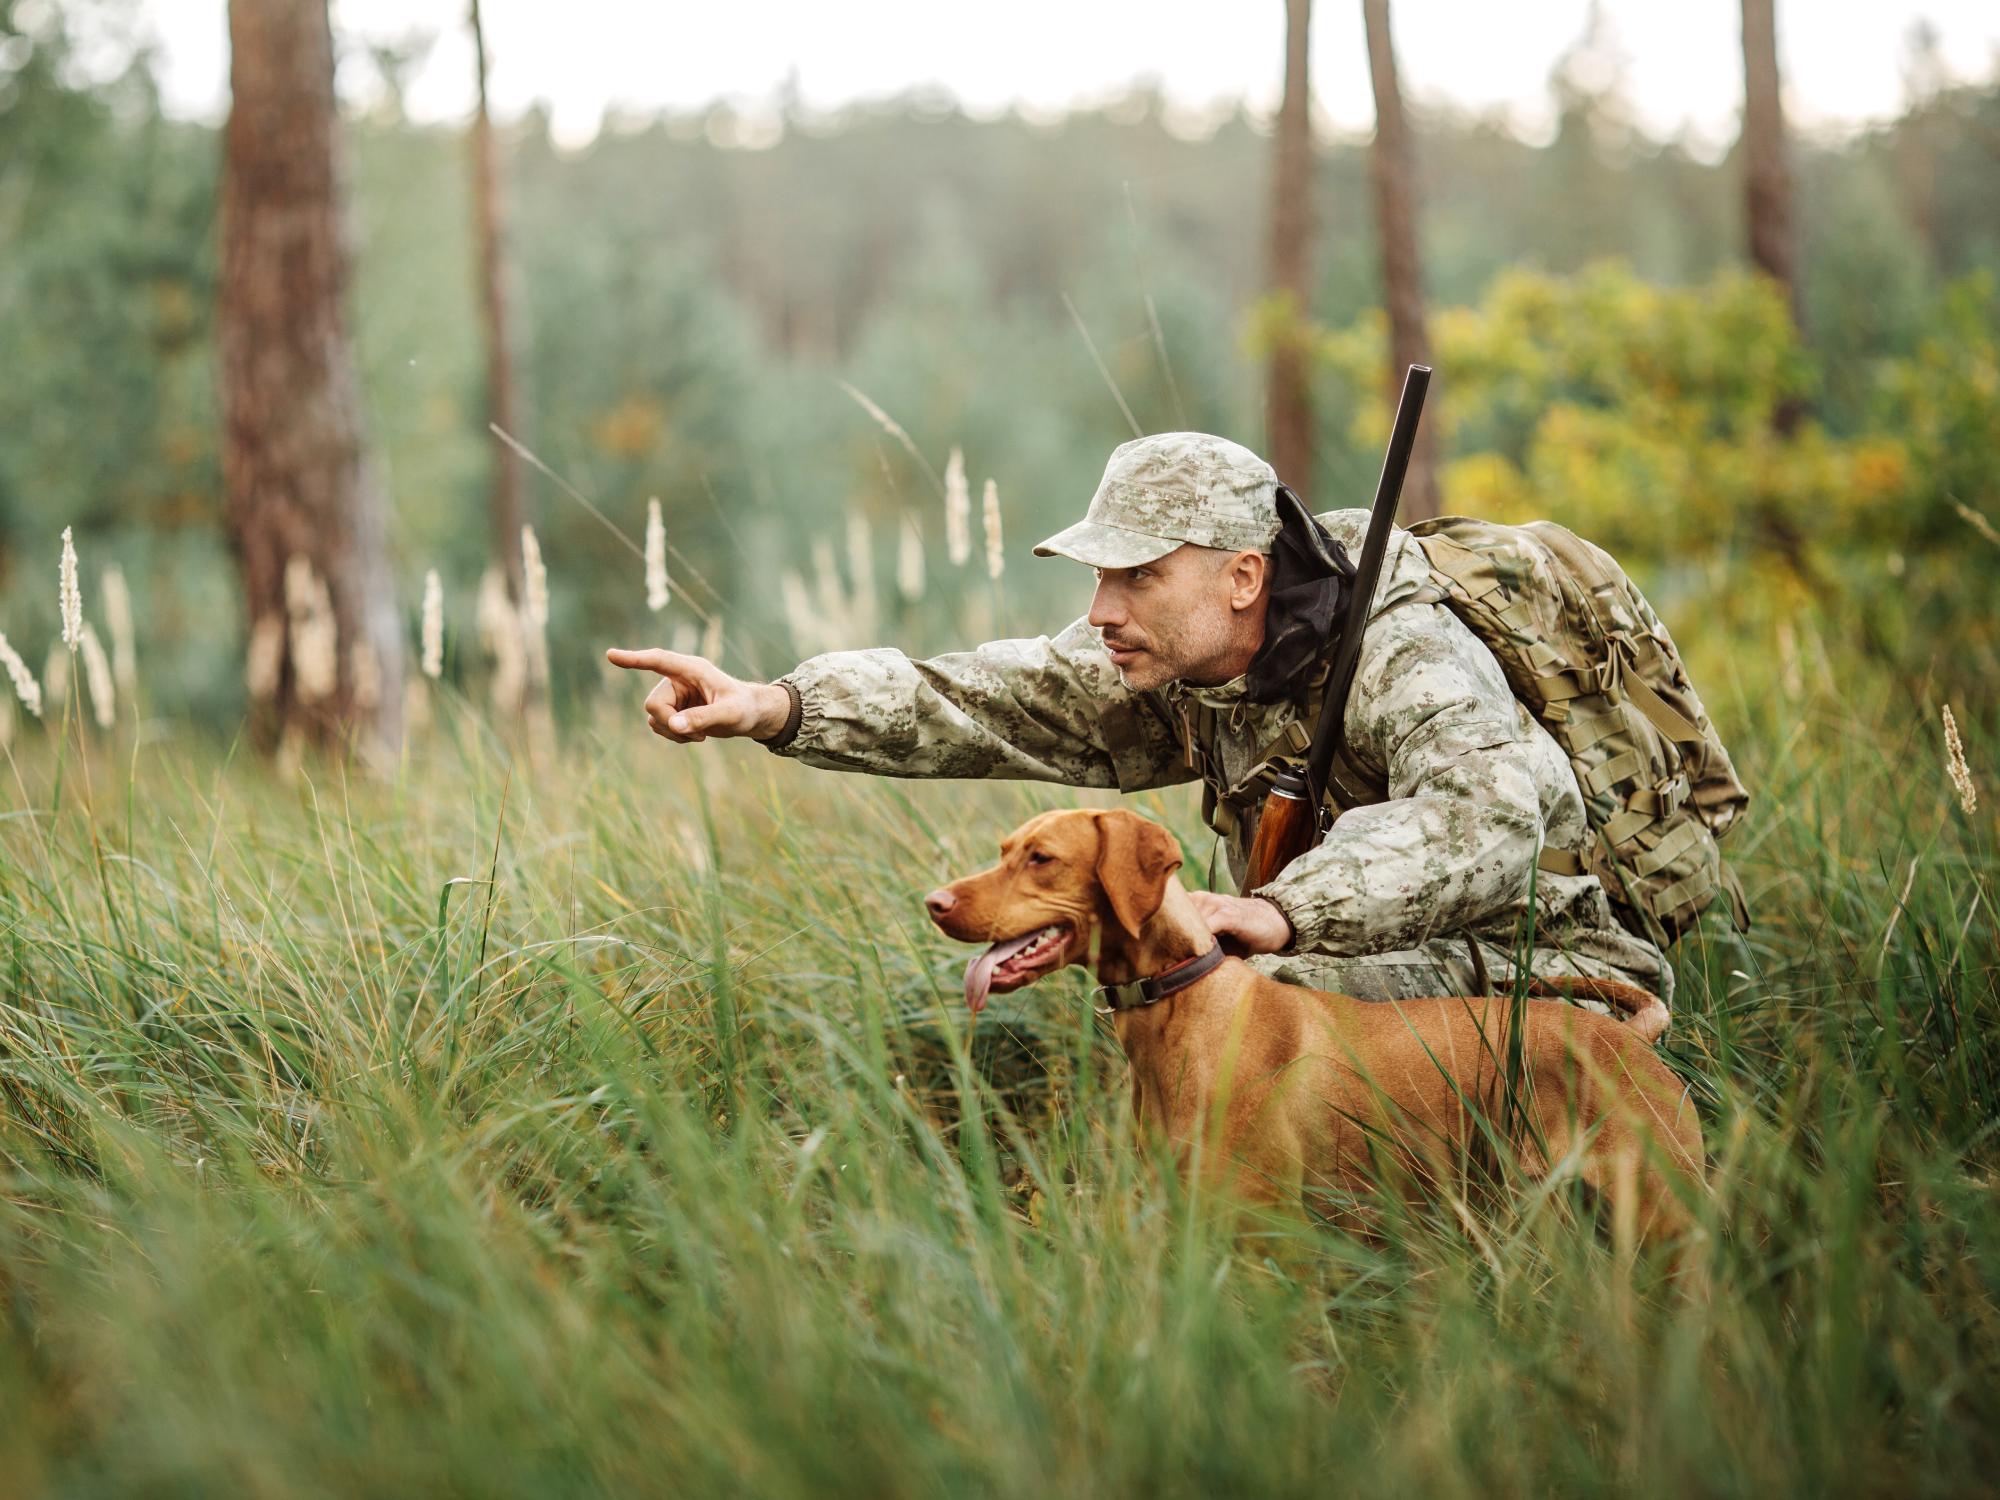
(1143, 992)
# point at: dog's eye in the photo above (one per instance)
(1036, 857)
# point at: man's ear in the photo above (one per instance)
(1248, 574)
(1135, 856)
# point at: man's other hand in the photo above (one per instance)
(694, 698)
(1248, 924)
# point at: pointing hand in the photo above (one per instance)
(694, 698)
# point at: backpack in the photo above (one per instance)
(1585, 652)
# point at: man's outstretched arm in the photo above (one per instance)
(1039, 709)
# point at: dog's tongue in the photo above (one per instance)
(979, 973)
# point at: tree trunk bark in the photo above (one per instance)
(500, 403)
(1767, 178)
(1391, 172)
(1288, 395)
(301, 497)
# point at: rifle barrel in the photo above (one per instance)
(1330, 735)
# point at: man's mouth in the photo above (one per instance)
(1121, 653)
(1013, 962)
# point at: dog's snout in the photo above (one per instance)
(940, 902)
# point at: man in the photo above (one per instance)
(1452, 792)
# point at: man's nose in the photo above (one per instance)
(1104, 609)
(940, 902)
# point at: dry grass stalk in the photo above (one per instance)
(433, 631)
(1977, 522)
(656, 557)
(1961, 774)
(124, 638)
(500, 632)
(957, 511)
(989, 509)
(535, 606)
(534, 579)
(894, 428)
(25, 687)
(97, 678)
(1902, 901)
(711, 639)
(69, 595)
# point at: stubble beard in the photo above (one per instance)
(1193, 653)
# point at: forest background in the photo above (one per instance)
(688, 311)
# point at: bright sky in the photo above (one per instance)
(1843, 59)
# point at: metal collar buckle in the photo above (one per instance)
(1139, 993)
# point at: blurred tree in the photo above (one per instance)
(494, 306)
(1288, 396)
(1392, 172)
(1767, 176)
(304, 509)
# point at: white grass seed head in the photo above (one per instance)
(25, 687)
(989, 508)
(69, 594)
(656, 557)
(957, 510)
(433, 627)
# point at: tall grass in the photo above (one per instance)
(488, 1130)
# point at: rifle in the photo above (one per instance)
(1290, 822)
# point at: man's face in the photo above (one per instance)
(1195, 614)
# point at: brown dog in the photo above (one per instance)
(1289, 1093)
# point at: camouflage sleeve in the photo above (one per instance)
(1033, 710)
(1459, 836)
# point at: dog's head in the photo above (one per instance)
(1061, 876)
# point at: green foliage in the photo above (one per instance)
(1648, 418)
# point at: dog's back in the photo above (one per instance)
(1343, 1082)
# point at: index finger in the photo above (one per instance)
(653, 659)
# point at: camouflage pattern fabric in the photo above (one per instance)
(1472, 785)
(1173, 487)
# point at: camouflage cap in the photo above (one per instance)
(1173, 487)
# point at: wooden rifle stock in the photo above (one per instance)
(1287, 826)
(1289, 822)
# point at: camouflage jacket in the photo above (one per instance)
(1470, 787)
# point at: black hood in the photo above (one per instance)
(1311, 576)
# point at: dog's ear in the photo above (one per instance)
(1135, 856)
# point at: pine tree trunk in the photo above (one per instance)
(1767, 179)
(1288, 396)
(1391, 170)
(500, 403)
(301, 494)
